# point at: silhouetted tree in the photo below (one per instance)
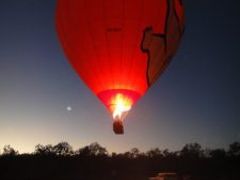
(134, 153)
(153, 153)
(84, 151)
(8, 150)
(63, 148)
(206, 152)
(44, 150)
(114, 154)
(97, 149)
(125, 155)
(93, 149)
(234, 149)
(218, 153)
(192, 150)
(167, 154)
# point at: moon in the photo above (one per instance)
(69, 108)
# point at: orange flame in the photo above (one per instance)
(120, 105)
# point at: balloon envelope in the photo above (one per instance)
(119, 47)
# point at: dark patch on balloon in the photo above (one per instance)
(149, 38)
(181, 29)
(155, 45)
(180, 1)
(166, 23)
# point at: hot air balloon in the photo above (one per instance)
(119, 48)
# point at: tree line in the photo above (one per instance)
(191, 150)
(93, 161)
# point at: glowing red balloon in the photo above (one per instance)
(119, 47)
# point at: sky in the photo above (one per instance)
(43, 101)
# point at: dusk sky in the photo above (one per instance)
(197, 99)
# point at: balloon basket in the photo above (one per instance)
(118, 127)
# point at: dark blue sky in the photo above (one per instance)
(196, 100)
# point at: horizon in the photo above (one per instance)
(205, 149)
